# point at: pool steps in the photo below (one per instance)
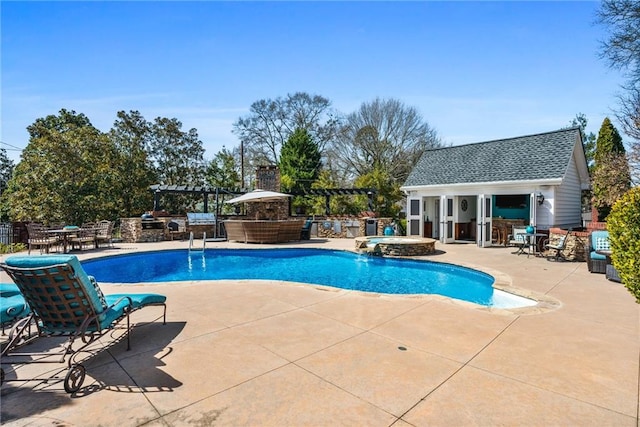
(204, 242)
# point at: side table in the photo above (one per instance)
(610, 271)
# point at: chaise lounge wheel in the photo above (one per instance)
(74, 379)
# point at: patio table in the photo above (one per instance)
(531, 244)
(66, 234)
(63, 234)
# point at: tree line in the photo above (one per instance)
(72, 172)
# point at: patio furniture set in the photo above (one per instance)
(598, 253)
(70, 236)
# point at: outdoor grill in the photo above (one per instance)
(152, 224)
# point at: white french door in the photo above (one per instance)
(446, 219)
(414, 218)
(485, 226)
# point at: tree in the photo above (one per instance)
(382, 135)
(385, 202)
(131, 136)
(222, 171)
(379, 145)
(624, 228)
(178, 158)
(6, 170)
(300, 161)
(611, 177)
(338, 204)
(299, 165)
(65, 174)
(271, 122)
(622, 51)
(629, 117)
(588, 141)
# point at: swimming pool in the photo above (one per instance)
(338, 269)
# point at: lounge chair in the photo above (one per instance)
(65, 302)
(12, 304)
(598, 241)
(558, 247)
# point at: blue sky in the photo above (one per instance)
(475, 71)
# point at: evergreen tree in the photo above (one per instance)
(299, 166)
(299, 161)
(611, 175)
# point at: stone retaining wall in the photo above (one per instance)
(577, 244)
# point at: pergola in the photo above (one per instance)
(206, 191)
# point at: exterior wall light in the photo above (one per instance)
(540, 198)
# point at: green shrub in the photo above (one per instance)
(623, 224)
(14, 247)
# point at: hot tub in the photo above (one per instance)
(396, 245)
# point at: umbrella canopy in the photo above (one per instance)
(259, 196)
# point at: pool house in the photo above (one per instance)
(477, 192)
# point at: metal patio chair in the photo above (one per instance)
(66, 302)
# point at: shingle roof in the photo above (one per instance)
(531, 157)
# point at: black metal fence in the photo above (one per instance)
(13, 232)
(6, 233)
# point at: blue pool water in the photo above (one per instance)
(338, 269)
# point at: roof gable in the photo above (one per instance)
(542, 156)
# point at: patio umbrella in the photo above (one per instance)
(259, 196)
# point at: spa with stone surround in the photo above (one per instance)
(396, 246)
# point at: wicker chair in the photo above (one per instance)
(235, 231)
(290, 230)
(598, 240)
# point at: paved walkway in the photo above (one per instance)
(266, 353)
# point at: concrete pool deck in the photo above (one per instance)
(267, 353)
